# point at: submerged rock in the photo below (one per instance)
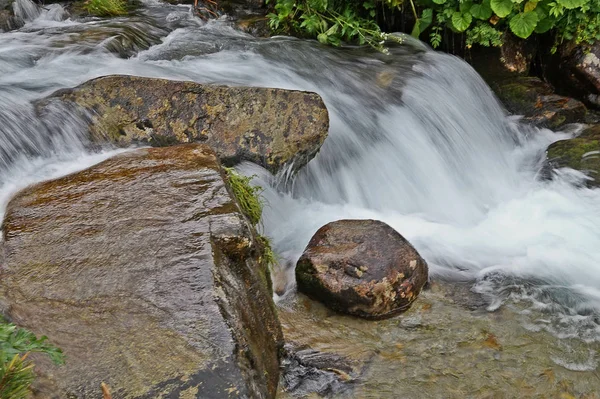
(361, 267)
(581, 153)
(307, 371)
(270, 127)
(144, 271)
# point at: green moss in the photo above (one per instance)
(570, 152)
(247, 196)
(105, 8)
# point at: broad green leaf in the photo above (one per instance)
(439, 1)
(523, 24)
(544, 25)
(501, 7)
(571, 4)
(461, 21)
(530, 5)
(481, 11)
(427, 16)
(322, 38)
(416, 31)
(465, 6)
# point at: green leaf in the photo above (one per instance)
(523, 24)
(461, 21)
(530, 5)
(322, 38)
(416, 31)
(482, 11)
(571, 4)
(439, 1)
(544, 25)
(427, 16)
(465, 6)
(501, 7)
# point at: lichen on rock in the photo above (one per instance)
(271, 127)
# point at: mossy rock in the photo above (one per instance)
(536, 101)
(270, 127)
(581, 153)
(146, 274)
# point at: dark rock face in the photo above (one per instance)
(8, 20)
(144, 271)
(536, 101)
(576, 70)
(580, 153)
(270, 127)
(361, 267)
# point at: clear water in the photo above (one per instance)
(416, 140)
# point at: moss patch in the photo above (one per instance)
(247, 196)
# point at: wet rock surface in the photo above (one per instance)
(446, 346)
(270, 127)
(145, 273)
(581, 153)
(361, 267)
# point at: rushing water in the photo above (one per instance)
(416, 140)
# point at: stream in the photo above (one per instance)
(417, 140)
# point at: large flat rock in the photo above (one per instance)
(145, 273)
(270, 127)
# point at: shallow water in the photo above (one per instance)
(417, 140)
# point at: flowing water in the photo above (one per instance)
(417, 140)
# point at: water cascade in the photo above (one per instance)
(417, 140)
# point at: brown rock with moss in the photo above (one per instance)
(270, 127)
(580, 153)
(144, 271)
(361, 267)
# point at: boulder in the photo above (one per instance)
(361, 267)
(537, 102)
(144, 271)
(581, 153)
(270, 127)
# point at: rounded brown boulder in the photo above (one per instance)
(361, 267)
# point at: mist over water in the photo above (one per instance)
(417, 140)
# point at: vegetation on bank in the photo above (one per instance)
(483, 22)
(105, 8)
(16, 370)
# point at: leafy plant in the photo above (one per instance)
(331, 22)
(105, 8)
(16, 372)
(483, 21)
